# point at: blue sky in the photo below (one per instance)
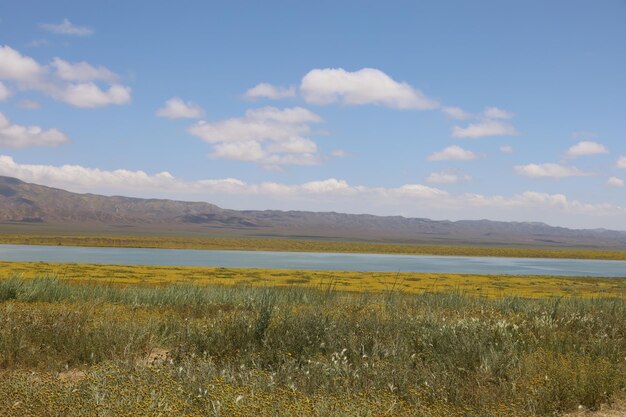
(440, 109)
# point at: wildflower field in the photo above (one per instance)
(300, 245)
(97, 347)
(352, 281)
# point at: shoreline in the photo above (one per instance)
(315, 246)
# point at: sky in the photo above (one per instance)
(511, 111)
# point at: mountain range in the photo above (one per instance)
(35, 207)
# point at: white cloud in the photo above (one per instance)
(240, 151)
(417, 191)
(447, 177)
(615, 182)
(365, 86)
(549, 170)
(331, 185)
(29, 104)
(265, 90)
(496, 113)
(5, 93)
(586, 148)
(90, 95)
(456, 113)
(17, 67)
(176, 108)
(414, 200)
(80, 178)
(269, 136)
(484, 128)
(490, 123)
(81, 71)
(621, 162)
(17, 136)
(338, 153)
(72, 83)
(506, 149)
(67, 28)
(452, 153)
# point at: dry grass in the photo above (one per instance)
(617, 408)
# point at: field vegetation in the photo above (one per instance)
(95, 348)
(296, 245)
(349, 281)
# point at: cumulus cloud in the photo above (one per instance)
(456, 113)
(17, 136)
(327, 194)
(81, 71)
(447, 177)
(497, 113)
(506, 149)
(5, 93)
(365, 86)
(240, 151)
(176, 108)
(585, 148)
(452, 153)
(67, 28)
(490, 123)
(331, 185)
(17, 67)
(90, 95)
(416, 191)
(269, 136)
(79, 84)
(615, 182)
(484, 128)
(621, 162)
(265, 90)
(549, 170)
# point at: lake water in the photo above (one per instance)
(314, 261)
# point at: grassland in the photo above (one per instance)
(87, 347)
(373, 282)
(295, 245)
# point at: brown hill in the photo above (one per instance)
(23, 203)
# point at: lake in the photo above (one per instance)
(313, 261)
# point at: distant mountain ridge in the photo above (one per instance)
(26, 203)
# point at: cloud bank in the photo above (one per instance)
(549, 170)
(414, 200)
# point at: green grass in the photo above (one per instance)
(89, 349)
(173, 242)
